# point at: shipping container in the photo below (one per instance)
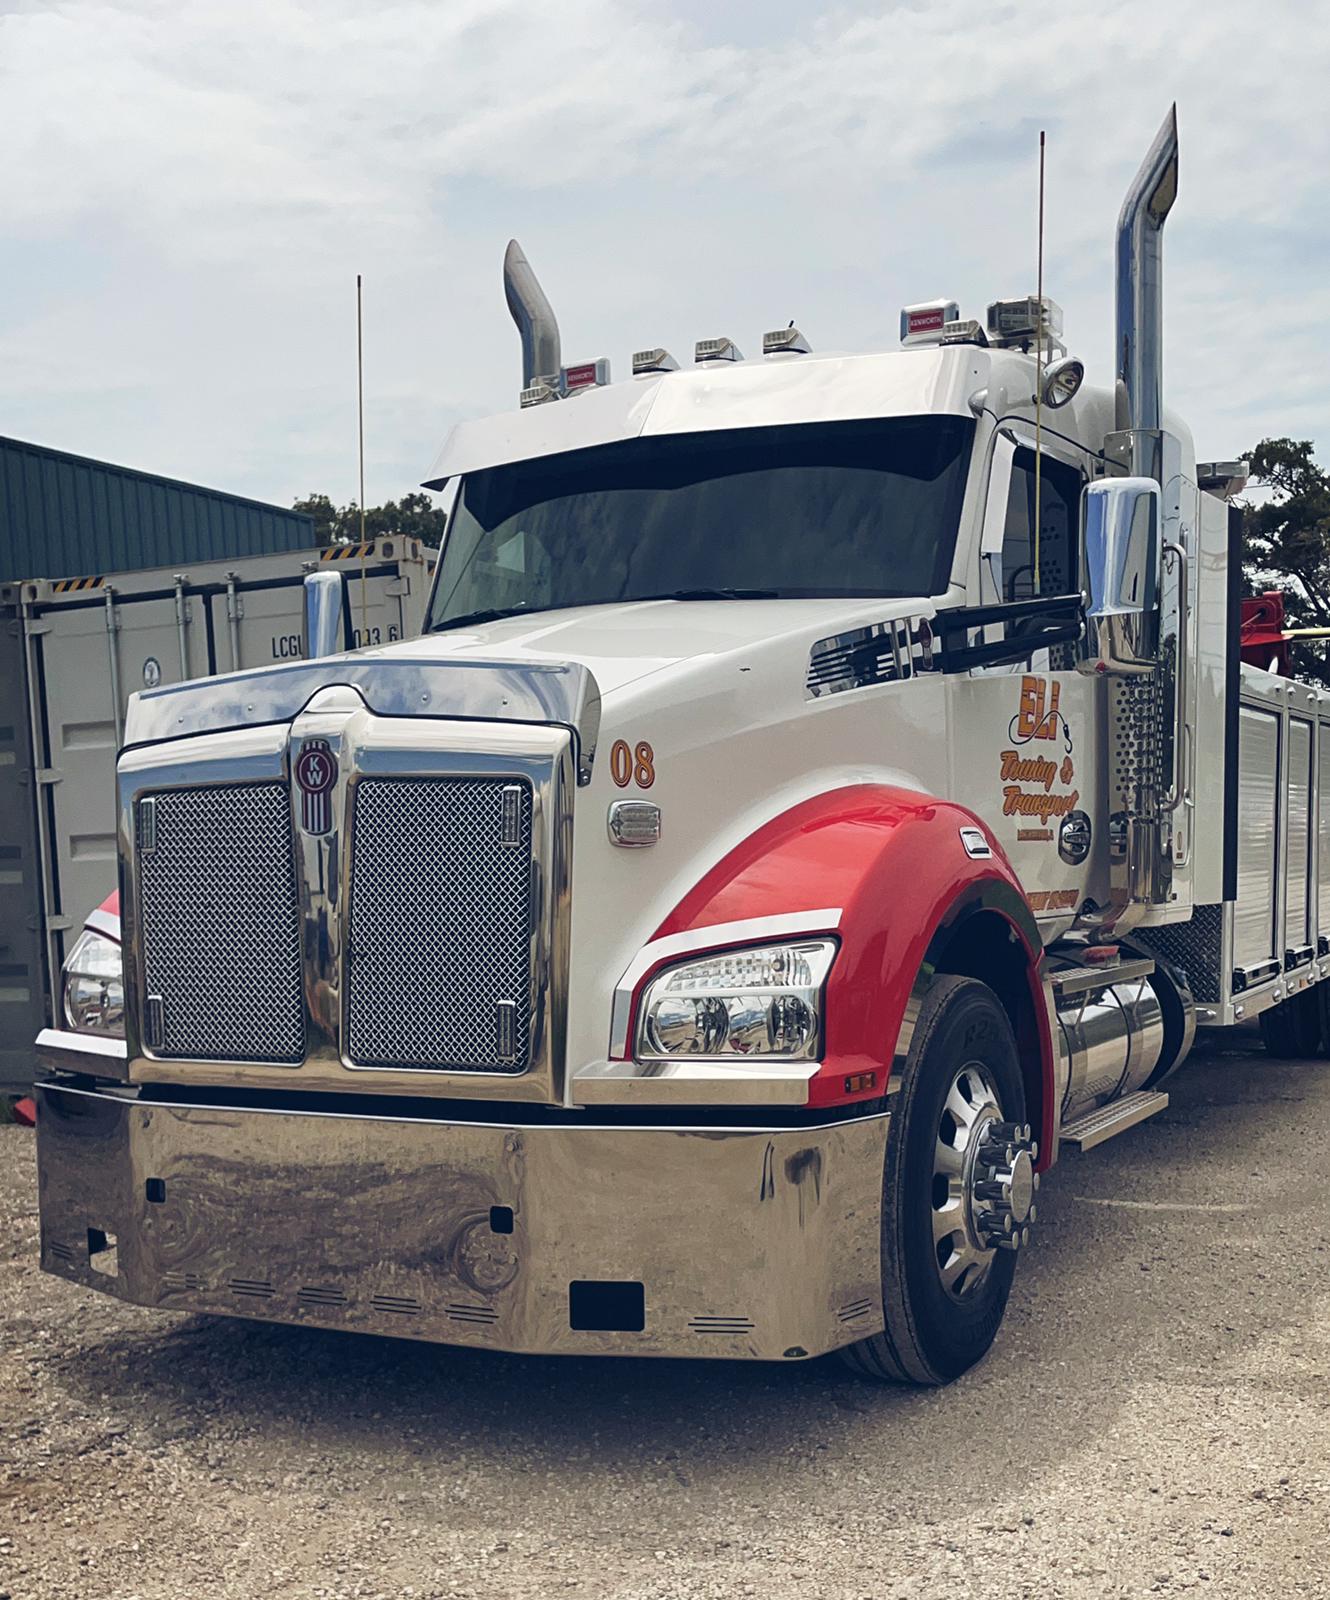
(64, 516)
(71, 654)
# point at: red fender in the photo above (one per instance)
(892, 860)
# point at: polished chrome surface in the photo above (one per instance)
(1140, 304)
(1121, 534)
(439, 944)
(716, 936)
(1298, 909)
(401, 1226)
(1254, 939)
(323, 614)
(883, 652)
(1322, 833)
(61, 1050)
(218, 936)
(983, 1182)
(531, 311)
(765, 1082)
(368, 749)
(1110, 1035)
(633, 824)
(1096, 1126)
(1075, 835)
(433, 687)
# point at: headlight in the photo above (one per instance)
(94, 992)
(766, 1001)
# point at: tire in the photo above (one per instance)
(931, 1334)
(1292, 1030)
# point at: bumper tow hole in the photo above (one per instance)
(606, 1307)
(501, 1219)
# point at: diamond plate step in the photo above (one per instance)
(1096, 1126)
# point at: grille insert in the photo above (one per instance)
(221, 937)
(439, 945)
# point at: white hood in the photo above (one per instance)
(623, 643)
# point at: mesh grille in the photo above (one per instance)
(221, 936)
(438, 951)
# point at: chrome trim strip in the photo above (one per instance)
(748, 930)
(562, 693)
(63, 1050)
(696, 1083)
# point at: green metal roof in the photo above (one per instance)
(63, 516)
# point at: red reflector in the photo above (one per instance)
(857, 1082)
(583, 377)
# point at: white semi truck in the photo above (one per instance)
(827, 785)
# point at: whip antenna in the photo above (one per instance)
(1039, 380)
(360, 404)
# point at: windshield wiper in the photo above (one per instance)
(712, 594)
(468, 619)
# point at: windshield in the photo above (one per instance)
(810, 511)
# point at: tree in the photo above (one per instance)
(413, 516)
(1287, 543)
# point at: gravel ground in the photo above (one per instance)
(1153, 1419)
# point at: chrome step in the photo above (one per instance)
(1076, 980)
(1096, 1126)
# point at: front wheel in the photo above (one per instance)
(958, 1190)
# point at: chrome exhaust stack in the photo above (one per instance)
(1135, 564)
(1140, 299)
(536, 324)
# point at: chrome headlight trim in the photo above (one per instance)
(92, 986)
(747, 1004)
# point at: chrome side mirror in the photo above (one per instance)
(323, 614)
(1120, 517)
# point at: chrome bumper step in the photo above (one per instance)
(1102, 1124)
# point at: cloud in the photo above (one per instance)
(189, 190)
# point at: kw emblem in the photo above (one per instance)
(315, 774)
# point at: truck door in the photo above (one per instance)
(1026, 736)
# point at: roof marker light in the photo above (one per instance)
(785, 341)
(716, 350)
(653, 361)
(965, 330)
(540, 393)
(586, 375)
(923, 324)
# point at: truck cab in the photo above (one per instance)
(700, 939)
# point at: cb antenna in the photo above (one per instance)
(1039, 379)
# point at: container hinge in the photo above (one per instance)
(49, 775)
(58, 923)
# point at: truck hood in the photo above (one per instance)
(620, 644)
(554, 666)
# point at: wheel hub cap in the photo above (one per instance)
(984, 1182)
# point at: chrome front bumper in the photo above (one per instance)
(556, 1238)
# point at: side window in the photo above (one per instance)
(1059, 507)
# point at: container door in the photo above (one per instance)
(270, 626)
(1254, 930)
(1301, 842)
(83, 720)
(22, 985)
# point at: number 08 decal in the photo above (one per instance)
(632, 766)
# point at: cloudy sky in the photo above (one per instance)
(188, 190)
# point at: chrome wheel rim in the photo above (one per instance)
(963, 1258)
